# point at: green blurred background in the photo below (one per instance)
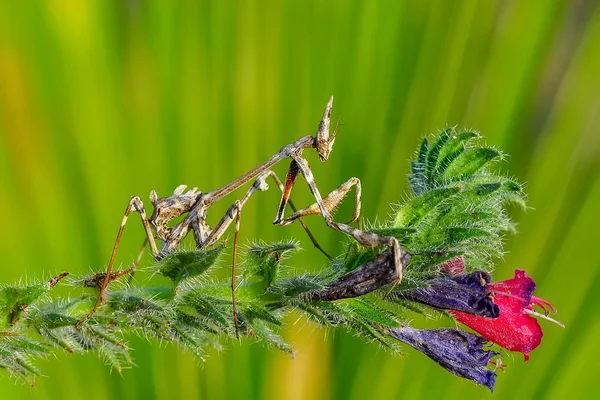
(101, 100)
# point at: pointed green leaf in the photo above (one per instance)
(352, 318)
(187, 340)
(59, 338)
(512, 186)
(314, 313)
(418, 181)
(116, 358)
(15, 299)
(423, 151)
(52, 320)
(416, 209)
(262, 261)
(102, 335)
(291, 288)
(157, 326)
(409, 305)
(131, 301)
(372, 313)
(486, 188)
(427, 264)
(257, 312)
(186, 264)
(470, 162)
(27, 346)
(208, 308)
(505, 190)
(453, 148)
(16, 365)
(356, 255)
(266, 267)
(513, 193)
(265, 333)
(434, 152)
(452, 237)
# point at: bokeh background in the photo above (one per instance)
(101, 100)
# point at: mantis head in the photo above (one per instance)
(323, 141)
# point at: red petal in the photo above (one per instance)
(516, 292)
(514, 329)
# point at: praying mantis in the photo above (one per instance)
(194, 205)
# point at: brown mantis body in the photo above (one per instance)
(196, 204)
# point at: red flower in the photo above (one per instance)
(515, 329)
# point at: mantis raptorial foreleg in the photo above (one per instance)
(331, 202)
(326, 205)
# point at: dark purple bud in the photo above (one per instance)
(457, 351)
(468, 293)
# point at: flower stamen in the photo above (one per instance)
(543, 316)
(497, 363)
(543, 304)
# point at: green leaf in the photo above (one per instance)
(51, 320)
(207, 308)
(353, 317)
(434, 152)
(326, 311)
(314, 313)
(418, 181)
(262, 261)
(451, 238)
(293, 287)
(372, 313)
(186, 264)
(59, 338)
(423, 151)
(131, 301)
(415, 210)
(409, 305)
(116, 358)
(356, 255)
(263, 332)
(187, 340)
(453, 148)
(470, 162)
(17, 366)
(257, 312)
(16, 353)
(157, 326)
(457, 235)
(26, 345)
(104, 335)
(15, 299)
(513, 194)
(486, 188)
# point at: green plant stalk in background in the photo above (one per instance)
(456, 211)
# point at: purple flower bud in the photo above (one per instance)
(457, 351)
(468, 293)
